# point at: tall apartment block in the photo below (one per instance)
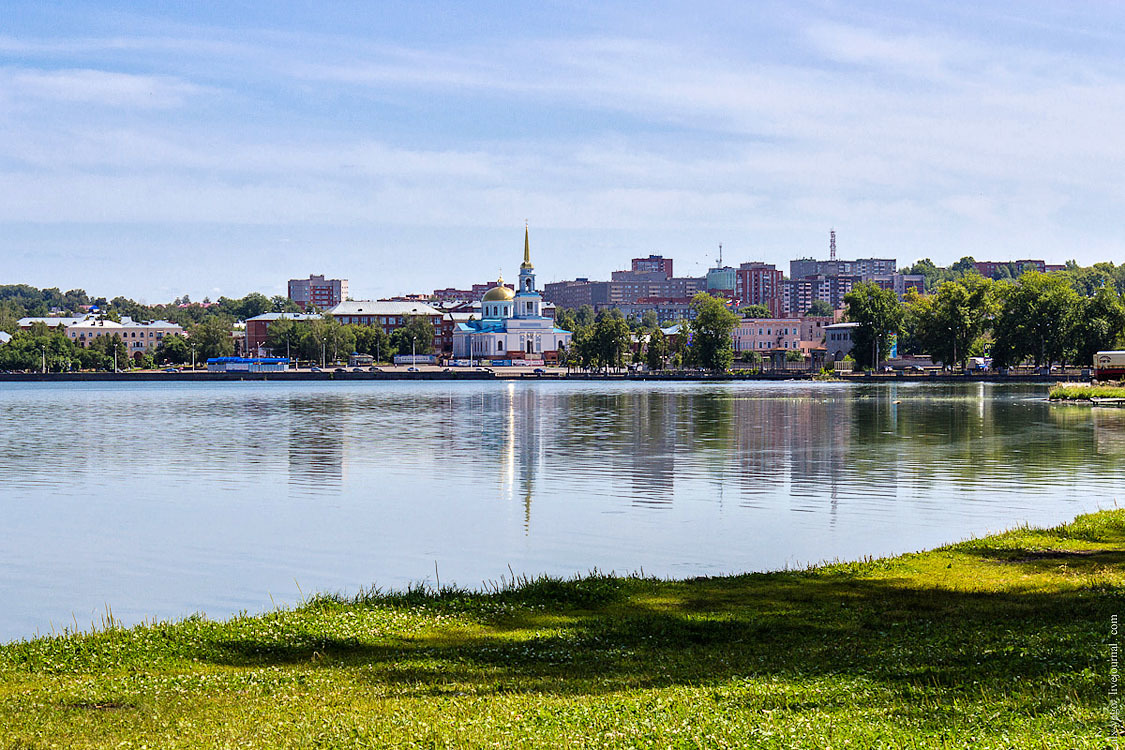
(318, 292)
(653, 264)
(760, 284)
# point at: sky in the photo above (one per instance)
(219, 148)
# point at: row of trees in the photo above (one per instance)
(1039, 318)
(316, 341)
(607, 340)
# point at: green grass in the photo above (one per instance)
(1000, 642)
(1086, 392)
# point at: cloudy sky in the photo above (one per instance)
(224, 147)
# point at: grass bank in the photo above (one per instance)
(1086, 392)
(1000, 642)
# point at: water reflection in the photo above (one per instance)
(160, 498)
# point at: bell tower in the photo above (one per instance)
(528, 301)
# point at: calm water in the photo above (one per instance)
(163, 500)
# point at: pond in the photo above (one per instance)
(160, 500)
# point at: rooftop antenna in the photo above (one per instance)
(832, 244)
(720, 255)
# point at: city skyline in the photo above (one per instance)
(153, 154)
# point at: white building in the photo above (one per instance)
(512, 325)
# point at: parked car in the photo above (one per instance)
(412, 369)
(315, 369)
(357, 369)
(339, 369)
(540, 371)
(373, 368)
(171, 369)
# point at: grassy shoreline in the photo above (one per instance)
(1085, 392)
(995, 642)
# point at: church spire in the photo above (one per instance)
(526, 249)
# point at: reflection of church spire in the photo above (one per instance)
(526, 251)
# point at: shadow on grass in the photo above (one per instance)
(643, 633)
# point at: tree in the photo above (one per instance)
(1037, 316)
(949, 324)
(649, 321)
(879, 315)
(283, 304)
(372, 340)
(212, 338)
(282, 337)
(609, 340)
(173, 349)
(417, 333)
(1098, 324)
(712, 333)
(966, 265)
(820, 309)
(112, 349)
(584, 316)
(755, 311)
(657, 352)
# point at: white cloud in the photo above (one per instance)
(98, 87)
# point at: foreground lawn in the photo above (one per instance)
(1001, 642)
(1086, 392)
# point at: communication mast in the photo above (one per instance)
(832, 244)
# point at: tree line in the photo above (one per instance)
(1042, 318)
(607, 340)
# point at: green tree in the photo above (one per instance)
(820, 309)
(1037, 316)
(966, 265)
(283, 304)
(112, 348)
(1098, 324)
(282, 337)
(418, 332)
(657, 352)
(212, 338)
(373, 340)
(755, 311)
(949, 325)
(174, 350)
(649, 321)
(712, 333)
(584, 316)
(879, 315)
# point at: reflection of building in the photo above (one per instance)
(512, 324)
(317, 430)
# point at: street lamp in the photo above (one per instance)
(413, 356)
(192, 358)
(44, 348)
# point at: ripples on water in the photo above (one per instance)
(160, 500)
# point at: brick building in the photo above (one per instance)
(318, 292)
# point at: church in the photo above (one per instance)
(512, 327)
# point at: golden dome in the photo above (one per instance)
(499, 293)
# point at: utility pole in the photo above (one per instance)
(413, 356)
(192, 358)
(322, 360)
(44, 348)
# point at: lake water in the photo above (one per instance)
(160, 500)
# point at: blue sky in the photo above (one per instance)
(222, 148)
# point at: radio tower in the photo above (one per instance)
(832, 244)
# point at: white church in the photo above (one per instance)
(512, 326)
